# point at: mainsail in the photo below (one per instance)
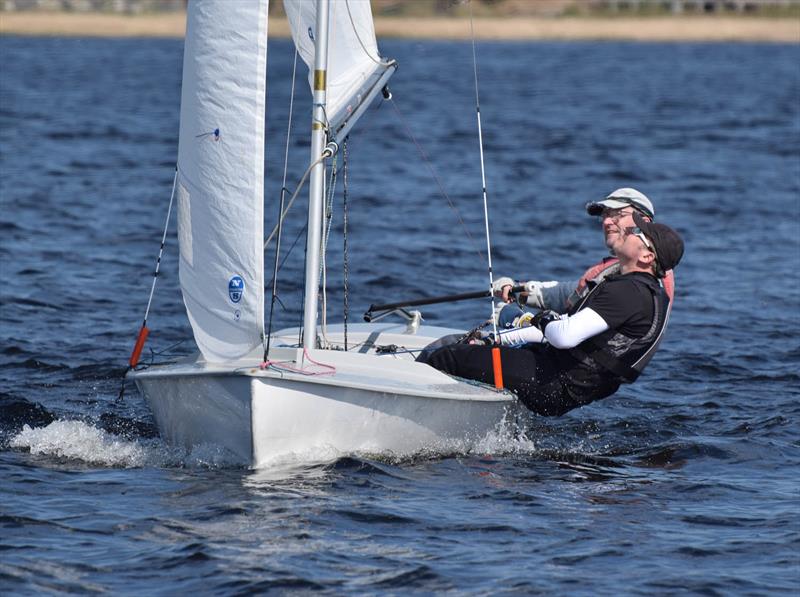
(354, 63)
(220, 184)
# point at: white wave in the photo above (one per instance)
(507, 439)
(78, 440)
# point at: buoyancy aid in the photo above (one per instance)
(625, 356)
(599, 272)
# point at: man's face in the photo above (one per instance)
(634, 245)
(614, 222)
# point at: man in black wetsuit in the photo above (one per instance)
(615, 213)
(565, 361)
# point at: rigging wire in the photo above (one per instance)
(288, 254)
(326, 153)
(498, 373)
(367, 122)
(426, 160)
(280, 211)
(293, 197)
(161, 248)
(344, 238)
(144, 331)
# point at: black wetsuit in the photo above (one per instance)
(552, 381)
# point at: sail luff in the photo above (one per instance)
(221, 175)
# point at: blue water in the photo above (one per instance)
(686, 481)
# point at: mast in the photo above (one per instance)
(317, 180)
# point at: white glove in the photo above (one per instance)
(499, 284)
(534, 291)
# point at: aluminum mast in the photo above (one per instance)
(317, 182)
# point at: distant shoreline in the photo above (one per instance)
(686, 28)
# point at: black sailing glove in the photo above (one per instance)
(479, 337)
(542, 318)
(488, 339)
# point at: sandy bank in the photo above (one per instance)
(641, 29)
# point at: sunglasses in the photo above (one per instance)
(636, 231)
(616, 214)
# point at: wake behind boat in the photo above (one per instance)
(262, 395)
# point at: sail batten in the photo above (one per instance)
(221, 175)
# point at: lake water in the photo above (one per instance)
(686, 481)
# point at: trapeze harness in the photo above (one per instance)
(622, 355)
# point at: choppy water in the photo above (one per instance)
(684, 482)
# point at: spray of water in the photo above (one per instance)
(80, 441)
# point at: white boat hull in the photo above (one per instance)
(371, 404)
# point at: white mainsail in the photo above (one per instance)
(220, 184)
(353, 58)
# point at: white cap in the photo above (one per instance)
(622, 198)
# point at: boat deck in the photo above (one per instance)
(366, 365)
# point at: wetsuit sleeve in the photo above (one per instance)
(569, 331)
(518, 336)
(555, 297)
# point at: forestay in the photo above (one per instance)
(353, 60)
(220, 184)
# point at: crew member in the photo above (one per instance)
(606, 339)
(615, 213)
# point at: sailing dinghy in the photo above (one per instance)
(298, 398)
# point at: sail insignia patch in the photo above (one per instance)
(236, 289)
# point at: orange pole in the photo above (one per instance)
(498, 368)
(137, 349)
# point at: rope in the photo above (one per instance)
(294, 196)
(483, 173)
(280, 211)
(166, 350)
(143, 331)
(283, 366)
(443, 193)
(344, 237)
